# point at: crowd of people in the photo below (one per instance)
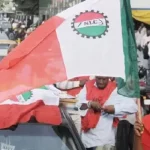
(142, 126)
(142, 34)
(19, 30)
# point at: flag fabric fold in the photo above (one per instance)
(41, 103)
(130, 86)
(89, 38)
(14, 114)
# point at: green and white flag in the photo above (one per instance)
(130, 86)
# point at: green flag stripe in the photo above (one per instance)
(92, 31)
(130, 87)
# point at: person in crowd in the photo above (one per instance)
(1, 29)
(139, 34)
(29, 22)
(28, 32)
(14, 25)
(142, 134)
(21, 34)
(100, 107)
(11, 35)
(145, 39)
(73, 87)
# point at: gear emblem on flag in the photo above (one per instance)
(90, 24)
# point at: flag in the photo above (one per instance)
(130, 86)
(41, 103)
(90, 38)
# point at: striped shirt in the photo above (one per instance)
(68, 85)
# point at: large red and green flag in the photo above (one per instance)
(40, 103)
(95, 37)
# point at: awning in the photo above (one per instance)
(7, 42)
(142, 15)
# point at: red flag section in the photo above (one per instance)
(35, 62)
(14, 114)
(146, 134)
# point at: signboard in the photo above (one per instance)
(5, 24)
(140, 4)
(7, 147)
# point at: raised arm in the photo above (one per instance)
(67, 85)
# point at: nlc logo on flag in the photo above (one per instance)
(91, 24)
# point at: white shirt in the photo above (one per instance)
(144, 40)
(104, 133)
(139, 35)
(141, 61)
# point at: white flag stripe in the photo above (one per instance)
(49, 97)
(89, 23)
(105, 53)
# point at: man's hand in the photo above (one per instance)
(109, 109)
(95, 106)
(138, 128)
(83, 82)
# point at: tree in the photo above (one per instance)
(28, 6)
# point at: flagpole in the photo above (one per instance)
(137, 140)
(139, 113)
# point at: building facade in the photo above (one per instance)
(49, 8)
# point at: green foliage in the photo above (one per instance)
(28, 6)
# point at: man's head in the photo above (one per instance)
(101, 82)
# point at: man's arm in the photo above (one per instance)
(137, 143)
(125, 106)
(120, 105)
(67, 85)
(138, 130)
